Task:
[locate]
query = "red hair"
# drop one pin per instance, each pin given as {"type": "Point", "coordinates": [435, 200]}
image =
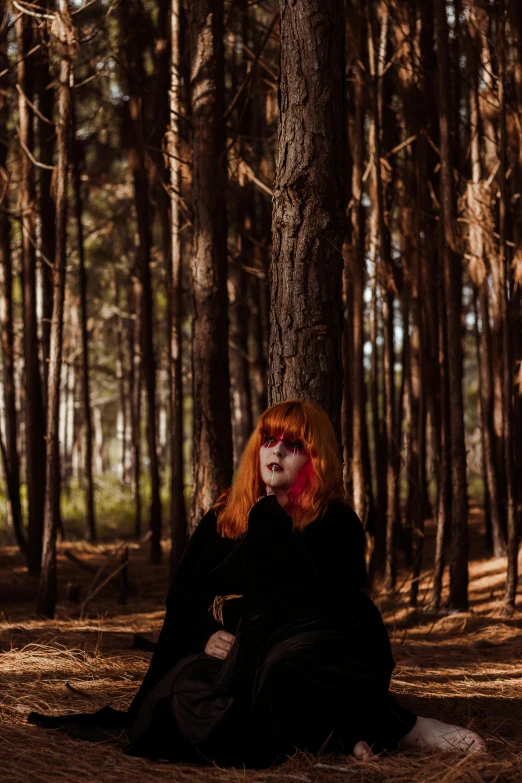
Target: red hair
{"type": "Point", "coordinates": [319, 480]}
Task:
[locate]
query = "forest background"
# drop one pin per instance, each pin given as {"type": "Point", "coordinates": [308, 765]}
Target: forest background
{"type": "Point", "coordinates": [210, 207]}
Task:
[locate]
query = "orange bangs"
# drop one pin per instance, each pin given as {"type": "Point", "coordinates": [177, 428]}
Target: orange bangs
{"type": "Point", "coordinates": [319, 480]}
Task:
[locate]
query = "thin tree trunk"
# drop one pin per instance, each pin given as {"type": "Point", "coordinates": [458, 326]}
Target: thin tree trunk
{"type": "Point", "coordinates": [361, 478]}
{"type": "Point", "coordinates": [46, 139]}
{"type": "Point", "coordinates": [452, 291]}
{"type": "Point", "coordinates": [212, 429]}
{"type": "Point", "coordinates": [505, 283]}
{"type": "Point", "coordinates": [10, 454]}
{"type": "Point", "coordinates": [64, 40]}
{"type": "Point", "coordinates": [478, 272]}
{"type": "Point", "coordinates": [35, 449]}
{"type": "Point", "coordinates": [178, 511]}
{"type": "Point", "coordinates": [258, 328]}
{"type": "Point", "coordinates": [132, 53]}
{"type": "Point", "coordinates": [78, 202]}
{"type": "Point", "coordinates": [377, 40]}
{"type": "Point", "coordinates": [135, 396]}
{"type": "Point", "coordinates": [120, 377]}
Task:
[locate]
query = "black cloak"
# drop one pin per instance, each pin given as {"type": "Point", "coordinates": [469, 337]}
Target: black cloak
{"type": "Point", "coordinates": [310, 666]}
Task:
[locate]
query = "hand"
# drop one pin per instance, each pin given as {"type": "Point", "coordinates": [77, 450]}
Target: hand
{"type": "Point", "coordinates": [270, 491]}
{"type": "Point", "coordinates": [219, 644]}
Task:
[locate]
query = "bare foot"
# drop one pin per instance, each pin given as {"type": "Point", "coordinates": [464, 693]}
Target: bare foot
{"type": "Point", "coordinates": [429, 732]}
{"type": "Point", "coordinates": [363, 751]}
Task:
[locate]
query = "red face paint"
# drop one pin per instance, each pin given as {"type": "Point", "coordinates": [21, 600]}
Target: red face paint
{"type": "Point", "coordinates": [295, 446]}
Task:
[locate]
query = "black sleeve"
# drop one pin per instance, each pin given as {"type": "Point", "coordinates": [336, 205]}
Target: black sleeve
{"type": "Point", "coordinates": [188, 623]}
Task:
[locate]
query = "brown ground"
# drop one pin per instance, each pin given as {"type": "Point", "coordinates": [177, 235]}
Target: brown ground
{"type": "Point", "coordinates": [464, 668]}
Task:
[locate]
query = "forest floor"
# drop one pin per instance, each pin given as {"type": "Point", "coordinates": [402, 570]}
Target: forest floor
{"type": "Point", "coordinates": [464, 668]}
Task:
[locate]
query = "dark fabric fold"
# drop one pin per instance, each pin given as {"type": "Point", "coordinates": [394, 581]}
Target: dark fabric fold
{"type": "Point", "coordinates": [311, 662]}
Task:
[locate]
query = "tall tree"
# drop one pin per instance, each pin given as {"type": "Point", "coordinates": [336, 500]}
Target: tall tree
{"type": "Point", "coordinates": [86, 396]}
{"type": "Point", "coordinates": [452, 291]}
{"type": "Point", "coordinates": [63, 42]}
{"type": "Point", "coordinates": [361, 475]}
{"type": "Point", "coordinates": [9, 449]}
{"type": "Point", "coordinates": [46, 204]}
{"type": "Point", "coordinates": [35, 448]}
{"type": "Point", "coordinates": [132, 58]}
{"type": "Point", "coordinates": [481, 249]}
{"type": "Point", "coordinates": [505, 300]}
{"type": "Point", "coordinates": [309, 208]}
{"type": "Point", "coordinates": [212, 430]}
{"type": "Point", "coordinates": [378, 25]}
{"type": "Point", "coordinates": [178, 511]}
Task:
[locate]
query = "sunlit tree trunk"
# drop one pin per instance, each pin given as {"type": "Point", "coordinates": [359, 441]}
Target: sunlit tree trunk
{"type": "Point", "coordinates": [10, 450]}
{"type": "Point", "coordinates": [377, 40]}
{"type": "Point", "coordinates": [361, 477]}
{"type": "Point", "coordinates": [505, 284]}
{"type": "Point", "coordinates": [178, 511]}
{"type": "Point", "coordinates": [452, 292]}
{"type": "Point", "coordinates": [46, 140]}
{"type": "Point", "coordinates": [134, 305]}
{"type": "Point", "coordinates": [477, 207]}
{"type": "Point", "coordinates": [78, 203]}
{"type": "Point", "coordinates": [34, 409]}
{"type": "Point", "coordinates": [63, 39]}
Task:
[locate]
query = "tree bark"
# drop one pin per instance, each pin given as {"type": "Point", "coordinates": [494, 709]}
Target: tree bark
{"type": "Point", "coordinates": [377, 41]}
{"type": "Point", "coordinates": [132, 55]}
{"type": "Point", "coordinates": [134, 301]}
{"type": "Point", "coordinates": [35, 449]}
{"type": "Point", "coordinates": [212, 429]}
{"type": "Point", "coordinates": [452, 291]}
{"type": "Point", "coordinates": [78, 202]}
{"type": "Point", "coordinates": [505, 308]}
{"type": "Point", "coordinates": [178, 511]}
{"type": "Point", "coordinates": [63, 38]}
{"type": "Point", "coordinates": [361, 477]}
{"type": "Point", "coordinates": [477, 207]}
{"type": "Point", "coordinates": [10, 454]}
{"type": "Point", "coordinates": [46, 140]}
{"type": "Point", "coordinates": [309, 209]}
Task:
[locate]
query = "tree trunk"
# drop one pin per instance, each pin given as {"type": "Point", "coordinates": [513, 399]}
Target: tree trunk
{"type": "Point", "coordinates": [377, 41]}
{"type": "Point", "coordinates": [212, 430]}
{"type": "Point", "coordinates": [361, 477]}
{"type": "Point", "coordinates": [477, 206]}
{"type": "Point", "coordinates": [78, 201]}
{"type": "Point", "coordinates": [134, 300]}
{"type": "Point", "coordinates": [505, 308]}
{"type": "Point", "coordinates": [132, 55]}
{"type": "Point", "coordinates": [258, 327]}
{"type": "Point", "coordinates": [123, 427]}
{"type": "Point", "coordinates": [35, 449]}
{"type": "Point", "coordinates": [46, 139]}
{"type": "Point", "coordinates": [309, 209]}
{"type": "Point", "coordinates": [63, 38]}
{"type": "Point", "coordinates": [178, 511]}
{"type": "Point", "coordinates": [452, 291]}
{"type": "Point", "coordinates": [10, 454]}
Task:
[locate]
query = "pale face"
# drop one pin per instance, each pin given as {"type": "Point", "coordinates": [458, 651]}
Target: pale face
{"type": "Point", "coordinates": [289, 454]}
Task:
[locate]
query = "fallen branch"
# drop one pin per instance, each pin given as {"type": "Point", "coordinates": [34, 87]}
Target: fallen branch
{"type": "Point", "coordinates": [100, 587]}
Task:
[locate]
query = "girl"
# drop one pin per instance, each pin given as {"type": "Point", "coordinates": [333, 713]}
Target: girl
{"type": "Point", "coordinates": [268, 643]}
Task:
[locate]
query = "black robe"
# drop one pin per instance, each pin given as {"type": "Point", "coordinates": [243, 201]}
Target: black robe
{"type": "Point", "coordinates": [310, 666]}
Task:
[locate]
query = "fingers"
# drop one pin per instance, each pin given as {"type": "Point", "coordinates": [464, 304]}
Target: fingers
{"type": "Point", "coordinates": [226, 636]}
{"type": "Point", "coordinates": [220, 644]}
